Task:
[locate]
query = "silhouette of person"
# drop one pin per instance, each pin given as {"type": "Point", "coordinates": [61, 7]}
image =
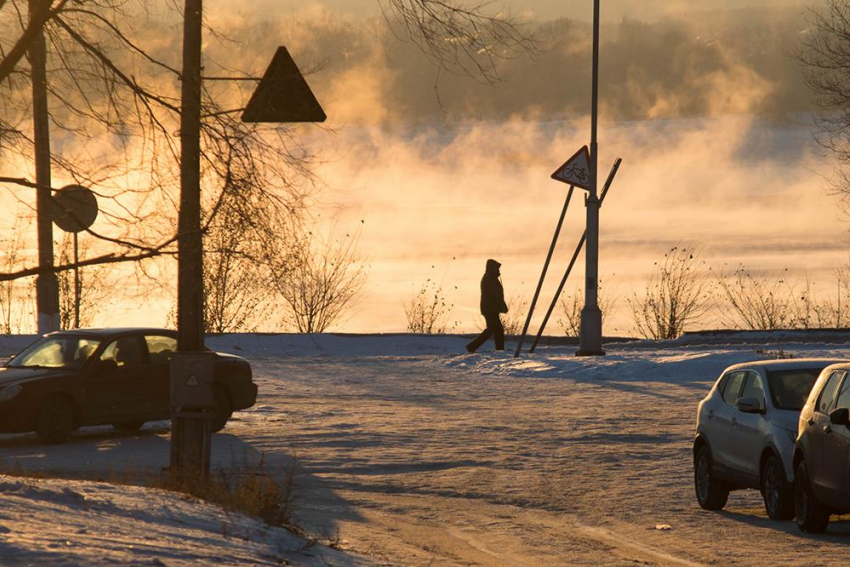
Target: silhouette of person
{"type": "Point", "coordinates": [492, 303]}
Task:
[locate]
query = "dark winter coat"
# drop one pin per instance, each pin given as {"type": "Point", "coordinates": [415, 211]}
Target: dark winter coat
{"type": "Point", "coordinates": [492, 293]}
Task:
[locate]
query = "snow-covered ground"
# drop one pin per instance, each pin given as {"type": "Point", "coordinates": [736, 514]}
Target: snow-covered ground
{"type": "Point", "coordinates": [412, 452]}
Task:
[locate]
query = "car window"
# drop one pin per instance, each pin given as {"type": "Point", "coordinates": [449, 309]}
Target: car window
{"type": "Point", "coordinates": [160, 348]}
{"type": "Point", "coordinates": [125, 352]}
{"type": "Point", "coordinates": [789, 389]}
{"type": "Point", "coordinates": [827, 395]}
{"type": "Point", "coordinates": [844, 395]}
{"type": "Point", "coordinates": [732, 387]}
{"type": "Point", "coordinates": [753, 388]}
{"type": "Point", "coordinates": [56, 352]}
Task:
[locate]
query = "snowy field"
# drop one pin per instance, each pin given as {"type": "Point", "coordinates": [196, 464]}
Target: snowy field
{"type": "Point", "coordinates": [410, 453]}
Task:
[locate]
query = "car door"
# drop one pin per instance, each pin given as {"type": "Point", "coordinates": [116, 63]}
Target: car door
{"type": "Point", "coordinates": [160, 348]}
{"type": "Point", "coordinates": [720, 434]}
{"type": "Point", "coordinates": [117, 389]}
{"type": "Point", "coordinates": [818, 427]}
{"type": "Point", "coordinates": [748, 428]}
{"type": "Point", "coordinates": [837, 452]}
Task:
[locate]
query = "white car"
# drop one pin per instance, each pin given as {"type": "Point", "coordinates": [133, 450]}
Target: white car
{"type": "Point", "coordinates": [746, 429]}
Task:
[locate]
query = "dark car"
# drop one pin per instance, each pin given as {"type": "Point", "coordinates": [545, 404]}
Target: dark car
{"type": "Point", "coordinates": [822, 451]}
{"type": "Point", "coordinates": [121, 377]}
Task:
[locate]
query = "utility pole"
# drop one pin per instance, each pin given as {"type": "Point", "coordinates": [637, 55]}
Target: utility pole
{"type": "Point", "coordinates": [46, 286]}
{"type": "Point", "coordinates": [590, 341]}
{"type": "Point", "coordinates": [191, 367]}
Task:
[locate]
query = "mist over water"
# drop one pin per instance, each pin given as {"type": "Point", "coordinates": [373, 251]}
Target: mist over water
{"type": "Point", "coordinates": [438, 173]}
{"type": "Point", "coordinates": [438, 203]}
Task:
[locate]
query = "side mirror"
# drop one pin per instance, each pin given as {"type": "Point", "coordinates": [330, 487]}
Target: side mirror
{"type": "Point", "coordinates": [841, 416]}
{"type": "Point", "coordinates": [749, 405]}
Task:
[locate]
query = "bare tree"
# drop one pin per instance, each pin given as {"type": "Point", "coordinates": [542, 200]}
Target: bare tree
{"type": "Point", "coordinates": [16, 297]}
{"type": "Point", "coordinates": [319, 280]}
{"type": "Point", "coordinates": [456, 38]}
{"type": "Point", "coordinates": [757, 302]}
{"type": "Point", "coordinates": [825, 55]}
{"type": "Point", "coordinates": [428, 312]}
{"type": "Point", "coordinates": [94, 288]}
{"type": "Point", "coordinates": [572, 304]}
{"type": "Point", "coordinates": [677, 295]}
{"type": "Point", "coordinates": [513, 320]}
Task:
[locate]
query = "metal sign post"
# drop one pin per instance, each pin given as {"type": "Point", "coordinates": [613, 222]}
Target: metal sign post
{"type": "Point", "coordinates": [590, 339]}
{"type": "Point", "coordinates": [74, 209]}
{"type": "Point", "coordinates": [543, 275]}
{"type": "Point", "coordinates": [581, 242]}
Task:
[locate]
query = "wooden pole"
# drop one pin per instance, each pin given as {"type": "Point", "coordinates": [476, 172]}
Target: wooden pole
{"type": "Point", "coordinates": [46, 286]}
{"type": "Point", "coordinates": [543, 274]}
{"type": "Point", "coordinates": [191, 434]}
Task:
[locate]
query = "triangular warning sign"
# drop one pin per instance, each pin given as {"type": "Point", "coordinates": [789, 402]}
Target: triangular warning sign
{"type": "Point", "coordinates": [283, 95]}
{"type": "Point", "coordinates": [576, 171]}
{"type": "Point", "coordinates": [192, 381]}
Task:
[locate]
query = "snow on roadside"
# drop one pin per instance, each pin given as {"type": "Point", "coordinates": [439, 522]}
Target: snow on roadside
{"type": "Point", "coordinates": [48, 521]}
{"type": "Point", "coordinates": [635, 362]}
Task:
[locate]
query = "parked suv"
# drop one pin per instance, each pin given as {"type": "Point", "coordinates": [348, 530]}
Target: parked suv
{"type": "Point", "coordinates": [746, 428]}
{"type": "Point", "coordinates": [822, 453]}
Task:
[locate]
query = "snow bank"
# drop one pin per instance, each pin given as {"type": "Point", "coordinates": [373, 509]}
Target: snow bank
{"type": "Point", "coordinates": [89, 523]}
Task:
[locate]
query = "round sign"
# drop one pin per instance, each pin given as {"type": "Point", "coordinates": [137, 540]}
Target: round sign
{"type": "Point", "coordinates": [74, 208]}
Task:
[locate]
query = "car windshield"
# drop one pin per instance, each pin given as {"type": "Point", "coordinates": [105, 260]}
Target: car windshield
{"type": "Point", "coordinates": [56, 352]}
{"type": "Point", "coordinates": [790, 388]}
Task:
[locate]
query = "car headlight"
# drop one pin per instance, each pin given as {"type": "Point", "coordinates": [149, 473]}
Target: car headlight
{"type": "Point", "coordinates": [9, 392]}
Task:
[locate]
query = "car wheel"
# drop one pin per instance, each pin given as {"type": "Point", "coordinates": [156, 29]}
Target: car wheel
{"type": "Point", "coordinates": [128, 425]}
{"type": "Point", "coordinates": [55, 421]}
{"type": "Point", "coordinates": [223, 409]}
{"type": "Point", "coordinates": [711, 492]}
{"type": "Point", "coordinates": [812, 516]}
{"type": "Point", "coordinates": [777, 493]}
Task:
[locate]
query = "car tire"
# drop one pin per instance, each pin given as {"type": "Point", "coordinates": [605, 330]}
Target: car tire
{"type": "Point", "coordinates": [711, 493]}
{"type": "Point", "coordinates": [812, 516]}
{"type": "Point", "coordinates": [222, 409]}
{"type": "Point", "coordinates": [128, 425]}
{"type": "Point", "coordinates": [778, 494]}
{"type": "Point", "coordinates": [55, 421]}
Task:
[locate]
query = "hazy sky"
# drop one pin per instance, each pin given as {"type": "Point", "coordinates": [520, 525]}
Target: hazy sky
{"type": "Point", "coordinates": [540, 9]}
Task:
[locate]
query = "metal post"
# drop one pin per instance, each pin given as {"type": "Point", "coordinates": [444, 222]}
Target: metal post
{"type": "Point", "coordinates": [47, 287]}
{"type": "Point", "coordinates": [543, 275]}
{"type": "Point", "coordinates": [191, 434]}
{"type": "Point", "coordinates": [590, 341]}
{"type": "Point", "coordinates": [77, 289]}
{"type": "Point", "coordinates": [613, 173]}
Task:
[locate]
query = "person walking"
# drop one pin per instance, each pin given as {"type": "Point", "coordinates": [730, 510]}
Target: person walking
{"type": "Point", "coordinates": [492, 304]}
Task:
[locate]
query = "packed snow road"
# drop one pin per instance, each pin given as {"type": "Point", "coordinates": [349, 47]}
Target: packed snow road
{"type": "Point", "coordinates": [436, 458]}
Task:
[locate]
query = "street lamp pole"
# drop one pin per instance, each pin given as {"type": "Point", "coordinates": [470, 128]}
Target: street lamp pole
{"type": "Point", "coordinates": [590, 340]}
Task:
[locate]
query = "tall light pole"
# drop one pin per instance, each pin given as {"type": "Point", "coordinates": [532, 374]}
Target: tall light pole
{"type": "Point", "coordinates": [590, 340]}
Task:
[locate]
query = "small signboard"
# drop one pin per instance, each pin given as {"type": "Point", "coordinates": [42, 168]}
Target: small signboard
{"type": "Point", "coordinates": [191, 380]}
{"type": "Point", "coordinates": [283, 95]}
{"type": "Point", "coordinates": [74, 208]}
{"type": "Point", "coordinates": [576, 171]}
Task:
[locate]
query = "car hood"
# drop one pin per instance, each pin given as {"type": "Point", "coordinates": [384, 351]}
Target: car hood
{"type": "Point", "coordinates": [16, 375]}
{"type": "Point", "coordinates": [785, 419]}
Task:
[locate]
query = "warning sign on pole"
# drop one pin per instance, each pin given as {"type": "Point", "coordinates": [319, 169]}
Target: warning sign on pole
{"type": "Point", "coordinates": [576, 171]}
